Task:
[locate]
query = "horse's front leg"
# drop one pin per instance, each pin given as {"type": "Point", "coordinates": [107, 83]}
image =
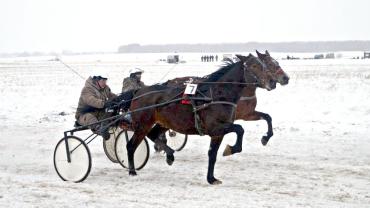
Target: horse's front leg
{"type": "Point", "coordinates": [238, 129]}
{"type": "Point", "coordinates": [262, 116]}
{"type": "Point", "coordinates": [212, 156]}
{"type": "Point", "coordinates": [269, 133]}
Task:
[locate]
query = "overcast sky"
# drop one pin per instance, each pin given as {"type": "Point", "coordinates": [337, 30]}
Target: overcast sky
{"type": "Point", "coordinates": [103, 25]}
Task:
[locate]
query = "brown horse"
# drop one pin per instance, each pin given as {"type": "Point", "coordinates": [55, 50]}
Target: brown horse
{"type": "Point", "coordinates": [215, 118]}
{"type": "Point", "coordinates": [246, 109]}
{"type": "Point", "coordinates": [248, 101]}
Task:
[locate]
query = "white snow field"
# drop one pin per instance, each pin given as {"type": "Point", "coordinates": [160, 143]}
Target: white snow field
{"type": "Point", "coordinates": [319, 155]}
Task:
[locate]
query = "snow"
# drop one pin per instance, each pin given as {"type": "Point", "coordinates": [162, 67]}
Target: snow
{"type": "Point", "coordinates": [318, 157]}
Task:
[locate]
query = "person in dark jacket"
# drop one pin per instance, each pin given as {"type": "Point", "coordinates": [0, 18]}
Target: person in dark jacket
{"type": "Point", "coordinates": [94, 98]}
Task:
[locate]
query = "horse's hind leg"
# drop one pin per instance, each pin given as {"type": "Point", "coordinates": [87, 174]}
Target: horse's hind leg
{"type": "Point", "coordinates": [212, 156]}
{"type": "Point", "coordinates": [154, 134]}
{"type": "Point", "coordinates": [134, 142]}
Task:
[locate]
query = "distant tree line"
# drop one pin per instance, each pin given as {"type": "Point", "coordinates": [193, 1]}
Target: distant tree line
{"type": "Point", "coordinates": [317, 46]}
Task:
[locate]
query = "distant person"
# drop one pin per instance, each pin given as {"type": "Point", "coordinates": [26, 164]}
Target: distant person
{"type": "Point", "coordinates": [216, 58]}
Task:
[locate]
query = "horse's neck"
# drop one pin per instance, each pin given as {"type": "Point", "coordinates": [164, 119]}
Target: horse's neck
{"type": "Point", "coordinates": [249, 91]}
{"type": "Point", "coordinates": [230, 92]}
{"type": "Point", "coordinates": [235, 74]}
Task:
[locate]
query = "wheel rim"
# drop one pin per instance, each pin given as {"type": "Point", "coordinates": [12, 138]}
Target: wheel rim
{"type": "Point", "coordinates": [176, 140]}
{"type": "Point", "coordinates": [109, 145]}
{"type": "Point", "coordinates": [141, 154]}
{"type": "Point", "coordinates": [79, 167]}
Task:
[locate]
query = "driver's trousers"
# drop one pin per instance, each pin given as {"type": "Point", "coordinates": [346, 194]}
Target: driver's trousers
{"type": "Point", "coordinates": [93, 117]}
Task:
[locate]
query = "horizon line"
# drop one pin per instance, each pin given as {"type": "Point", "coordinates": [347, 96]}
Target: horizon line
{"type": "Point", "coordinates": [67, 51]}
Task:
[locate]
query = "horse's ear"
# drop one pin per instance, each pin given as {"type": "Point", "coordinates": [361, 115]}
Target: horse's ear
{"type": "Point", "coordinates": [258, 53]}
{"type": "Point", "coordinates": [267, 53]}
{"type": "Point", "coordinates": [240, 57]}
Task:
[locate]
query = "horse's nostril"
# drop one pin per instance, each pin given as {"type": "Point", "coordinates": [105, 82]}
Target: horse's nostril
{"type": "Point", "coordinates": [286, 80]}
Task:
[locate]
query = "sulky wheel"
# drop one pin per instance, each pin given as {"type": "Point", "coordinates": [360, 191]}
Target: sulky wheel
{"type": "Point", "coordinates": [176, 140]}
{"type": "Point", "coordinates": [141, 154]}
{"type": "Point", "coordinates": [79, 166]}
{"type": "Point", "coordinates": [109, 145]}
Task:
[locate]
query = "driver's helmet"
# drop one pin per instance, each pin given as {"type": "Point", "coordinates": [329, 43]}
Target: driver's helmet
{"type": "Point", "coordinates": [136, 71]}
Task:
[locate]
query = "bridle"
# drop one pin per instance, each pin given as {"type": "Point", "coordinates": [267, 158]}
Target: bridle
{"type": "Point", "coordinates": [251, 73]}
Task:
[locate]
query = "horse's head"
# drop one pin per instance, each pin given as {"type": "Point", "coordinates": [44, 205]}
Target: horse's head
{"type": "Point", "coordinates": [255, 69]}
{"type": "Point", "coordinates": [273, 66]}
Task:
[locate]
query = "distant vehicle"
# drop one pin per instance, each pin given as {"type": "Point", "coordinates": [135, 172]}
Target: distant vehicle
{"type": "Point", "coordinates": [227, 56]}
{"type": "Point", "coordinates": [291, 58]}
{"type": "Point", "coordinates": [330, 56]}
{"type": "Point", "coordinates": [173, 59]}
{"type": "Point", "coordinates": [319, 56]}
{"type": "Point", "coordinates": [366, 55]}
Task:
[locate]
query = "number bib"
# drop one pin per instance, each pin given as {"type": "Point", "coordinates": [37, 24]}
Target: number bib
{"type": "Point", "coordinates": [191, 89]}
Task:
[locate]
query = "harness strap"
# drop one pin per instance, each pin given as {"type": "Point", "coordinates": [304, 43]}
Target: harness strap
{"type": "Point", "coordinates": [247, 98]}
{"type": "Point", "coordinates": [205, 105]}
{"type": "Point", "coordinates": [196, 116]}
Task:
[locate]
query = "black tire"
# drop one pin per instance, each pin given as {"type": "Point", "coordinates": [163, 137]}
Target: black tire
{"type": "Point", "coordinates": [141, 154]}
{"type": "Point", "coordinates": [80, 154]}
{"type": "Point", "coordinates": [178, 141]}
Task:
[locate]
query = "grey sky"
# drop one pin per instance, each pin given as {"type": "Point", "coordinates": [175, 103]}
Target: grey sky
{"type": "Point", "coordinates": [103, 25]}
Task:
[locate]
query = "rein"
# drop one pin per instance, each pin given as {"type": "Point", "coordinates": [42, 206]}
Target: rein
{"type": "Point", "coordinates": [233, 83]}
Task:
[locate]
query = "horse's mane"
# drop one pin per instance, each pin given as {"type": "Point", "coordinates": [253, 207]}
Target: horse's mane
{"type": "Point", "coordinates": [164, 83]}
{"type": "Point", "coordinates": [228, 64]}
{"type": "Point", "coordinates": [158, 86]}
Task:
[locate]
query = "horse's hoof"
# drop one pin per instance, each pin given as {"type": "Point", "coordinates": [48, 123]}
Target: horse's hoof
{"type": "Point", "coordinates": [157, 147]}
{"type": "Point", "coordinates": [227, 151]}
{"type": "Point", "coordinates": [264, 140]}
{"type": "Point", "coordinates": [132, 173]}
{"type": "Point", "coordinates": [217, 182]}
{"type": "Point", "coordinates": [170, 159]}
{"type": "Point", "coordinates": [214, 181]}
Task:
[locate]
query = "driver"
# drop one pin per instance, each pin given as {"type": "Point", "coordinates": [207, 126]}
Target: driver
{"type": "Point", "coordinates": [94, 98]}
{"type": "Point", "coordinates": [133, 82]}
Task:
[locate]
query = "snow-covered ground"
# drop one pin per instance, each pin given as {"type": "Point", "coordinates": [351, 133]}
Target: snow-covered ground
{"type": "Point", "coordinates": [318, 157]}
